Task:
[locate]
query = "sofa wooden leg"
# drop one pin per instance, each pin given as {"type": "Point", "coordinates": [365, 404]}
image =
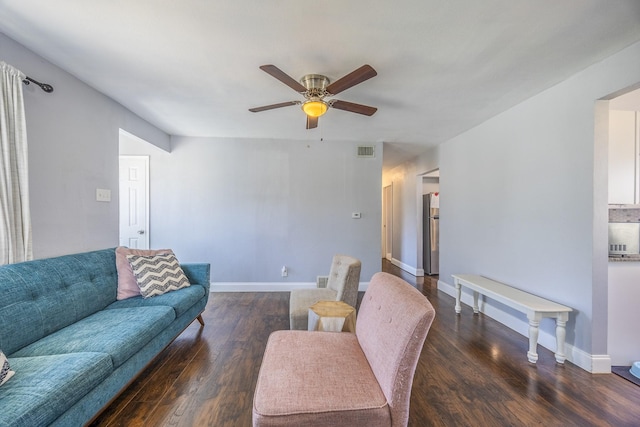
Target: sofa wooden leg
{"type": "Point", "coordinates": [200, 319]}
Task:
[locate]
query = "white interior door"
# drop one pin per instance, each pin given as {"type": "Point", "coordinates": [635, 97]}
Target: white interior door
{"type": "Point", "coordinates": [134, 202]}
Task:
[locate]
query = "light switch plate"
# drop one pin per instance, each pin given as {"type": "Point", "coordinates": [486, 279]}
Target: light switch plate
{"type": "Point", "coordinates": [356, 215]}
{"type": "Point", "coordinates": [103, 195]}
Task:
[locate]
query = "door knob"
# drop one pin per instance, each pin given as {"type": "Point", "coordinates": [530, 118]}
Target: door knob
{"type": "Point", "coordinates": [140, 231]}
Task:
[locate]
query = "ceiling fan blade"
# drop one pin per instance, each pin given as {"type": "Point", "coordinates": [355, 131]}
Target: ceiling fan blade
{"type": "Point", "coordinates": [353, 78]}
{"type": "Point", "coordinates": [272, 106]}
{"type": "Point", "coordinates": [283, 77]}
{"type": "Point", "coordinates": [312, 122]}
{"type": "Point", "coordinates": [354, 108]}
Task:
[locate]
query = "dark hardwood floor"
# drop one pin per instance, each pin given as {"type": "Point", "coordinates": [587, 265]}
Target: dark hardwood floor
{"type": "Point", "coordinates": [473, 371]}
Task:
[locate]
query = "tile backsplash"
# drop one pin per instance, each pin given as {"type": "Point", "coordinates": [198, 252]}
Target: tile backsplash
{"type": "Point", "coordinates": [624, 214]}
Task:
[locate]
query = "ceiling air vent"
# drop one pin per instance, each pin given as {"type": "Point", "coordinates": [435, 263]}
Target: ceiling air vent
{"type": "Point", "coordinates": [366, 151]}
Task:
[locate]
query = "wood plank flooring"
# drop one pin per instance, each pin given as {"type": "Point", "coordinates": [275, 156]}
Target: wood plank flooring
{"type": "Point", "coordinates": [473, 371]}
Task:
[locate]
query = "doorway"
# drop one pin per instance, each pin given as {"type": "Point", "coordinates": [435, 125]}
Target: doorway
{"type": "Point", "coordinates": [387, 221]}
{"type": "Point", "coordinates": [622, 114]}
{"type": "Point", "coordinates": [428, 225]}
{"type": "Point", "coordinates": [134, 202]}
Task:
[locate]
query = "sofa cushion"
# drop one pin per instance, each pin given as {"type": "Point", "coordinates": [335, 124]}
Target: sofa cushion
{"type": "Point", "coordinates": [5, 369]}
{"type": "Point", "coordinates": [181, 300]}
{"type": "Point", "coordinates": [157, 274]}
{"type": "Point", "coordinates": [298, 386]}
{"type": "Point", "coordinates": [42, 296]}
{"type": "Point", "coordinates": [46, 386]}
{"type": "Point", "coordinates": [127, 284]}
{"type": "Point", "coordinates": [119, 333]}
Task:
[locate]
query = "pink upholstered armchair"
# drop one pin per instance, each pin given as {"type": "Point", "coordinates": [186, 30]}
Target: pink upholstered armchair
{"type": "Point", "coordinates": [368, 383]}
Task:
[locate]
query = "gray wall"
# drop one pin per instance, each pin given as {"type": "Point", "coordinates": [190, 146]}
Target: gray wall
{"type": "Point", "coordinates": [404, 220]}
{"type": "Point", "coordinates": [525, 197]}
{"type": "Point", "coordinates": [73, 149]}
{"type": "Point", "coordinates": [524, 200]}
{"type": "Point", "coordinates": [246, 206]}
{"type": "Point", "coordinates": [250, 206]}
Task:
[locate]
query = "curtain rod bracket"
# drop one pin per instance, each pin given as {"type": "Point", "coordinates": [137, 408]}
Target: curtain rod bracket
{"type": "Point", "coordinates": [45, 87]}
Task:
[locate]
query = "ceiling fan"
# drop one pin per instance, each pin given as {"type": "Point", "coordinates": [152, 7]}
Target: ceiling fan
{"type": "Point", "coordinates": [316, 88]}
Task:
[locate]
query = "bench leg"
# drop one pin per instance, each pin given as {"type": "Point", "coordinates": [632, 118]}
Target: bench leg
{"type": "Point", "coordinates": [476, 308]}
{"type": "Point", "coordinates": [458, 295]}
{"type": "Point", "coordinates": [561, 332]}
{"type": "Point", "coordinates": [532, 354]}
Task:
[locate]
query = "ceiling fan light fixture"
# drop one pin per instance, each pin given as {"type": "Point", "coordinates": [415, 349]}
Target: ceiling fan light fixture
{"type": "Point", "coordinates": [315, 107]}
{"type": "Point", "coordinates": [315, 88]}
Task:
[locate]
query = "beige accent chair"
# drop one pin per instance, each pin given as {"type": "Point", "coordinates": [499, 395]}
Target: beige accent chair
{"type": "Point", "coordinates": [368, 381]}
{"type": "Point", "coordinates": [341, 285]}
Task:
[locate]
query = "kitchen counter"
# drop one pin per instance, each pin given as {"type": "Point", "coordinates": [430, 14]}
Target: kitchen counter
{"type": "Point", "coordinates": [625, 258]}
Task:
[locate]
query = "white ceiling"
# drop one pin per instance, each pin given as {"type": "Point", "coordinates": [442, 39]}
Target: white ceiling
{"type": "Point", "coordinates": [190, 67]}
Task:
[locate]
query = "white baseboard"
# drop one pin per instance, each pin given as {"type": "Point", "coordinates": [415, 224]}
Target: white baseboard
{"type": "Point", "coordinates": [595, 364]}
{"type": "Point", "coordinates": [268, 286]}
{"type": "Point", "coordinates": [600, 364]}
{"type": "Point", "coordinates": [418, 272]}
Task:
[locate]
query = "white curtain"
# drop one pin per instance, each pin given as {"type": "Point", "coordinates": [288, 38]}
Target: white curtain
{"type": "Point", "coordinates": [15, 218]}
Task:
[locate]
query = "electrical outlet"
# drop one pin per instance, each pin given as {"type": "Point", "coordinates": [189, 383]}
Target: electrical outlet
{"type": "Point", "coordinates": [103, 195]}
{"type": "Point", "coordinates": [356, 215]}
{"type": "Point", "coordinates": [284, 271]}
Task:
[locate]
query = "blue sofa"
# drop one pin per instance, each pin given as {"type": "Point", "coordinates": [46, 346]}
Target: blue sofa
{"type": "Point", "coordinates": [73, 347]}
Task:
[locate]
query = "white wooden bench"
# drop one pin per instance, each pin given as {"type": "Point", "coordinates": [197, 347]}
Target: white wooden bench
{"type": "Point", "coordinates": [533, 306]}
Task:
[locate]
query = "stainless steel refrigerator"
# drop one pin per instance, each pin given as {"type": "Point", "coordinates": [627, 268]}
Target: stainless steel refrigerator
{"type": "Point", "coordinates": [431, 233]}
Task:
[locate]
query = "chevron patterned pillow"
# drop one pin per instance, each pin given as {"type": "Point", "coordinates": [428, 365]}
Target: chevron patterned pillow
{"type": "Point", "coordinates": [157, 274]}
{"type": "Point", "coordinates": [5, 370]}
